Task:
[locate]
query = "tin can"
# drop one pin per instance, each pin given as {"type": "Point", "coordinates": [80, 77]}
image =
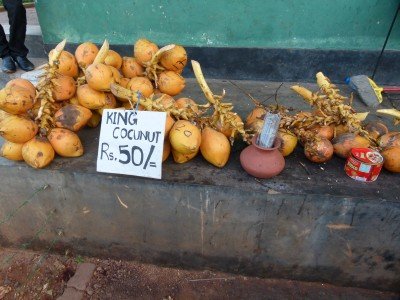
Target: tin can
{"type": "Point", "coordinates": [364, 164]}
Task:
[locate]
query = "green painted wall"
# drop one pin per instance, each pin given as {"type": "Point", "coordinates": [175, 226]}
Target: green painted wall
{"type": "Point", "coordinates": [321, 24]}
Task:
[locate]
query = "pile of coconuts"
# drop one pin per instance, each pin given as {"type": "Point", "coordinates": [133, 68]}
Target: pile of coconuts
{"type": "Point", "coordinates": [39, 122]}
{"type": "Point", "coordinates": [331, 128]}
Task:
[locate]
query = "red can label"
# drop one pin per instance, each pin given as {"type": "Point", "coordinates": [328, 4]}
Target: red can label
{"type": "Point", "coordinates": [364, 164]}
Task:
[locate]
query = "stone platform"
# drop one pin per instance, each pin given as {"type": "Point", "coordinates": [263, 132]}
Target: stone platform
{"type": "Point", "coordinates": [310, 223]}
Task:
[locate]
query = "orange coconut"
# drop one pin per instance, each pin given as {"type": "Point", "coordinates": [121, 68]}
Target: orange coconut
{"type": "Point", "coordinates": [141, 84]}
{"type": "Point", "coordinates": [18, 129]}
{"type": "Point", "coordinates": [85, 54]}
{"type": "Point", "coordinates": [94, 120]}
{"type": "Point", "coordinates": [390, 139]}
{"type": "Point", "coordinates": [184, 103]}
{"type": "Point", "coordinates": [144, 50]}
{"type": "Point", "coordinates": [343, 143]}
{"type": "Point", "coordinates": [340, 129]}
{"type": "Point", "coordinates": [16, 100]}
{"type": "Point", "coordinates": [391, 158]}
{"type": "Point", "coordinates": [256, 114]}
{"type": "Point", "coordinates": [215, 147]}
{"type": "Point", "coordinates": [170, 83]}
{"type": "Point", "coordinates": [227, 129]}
{"type": "Point", "coordinates": [111, 102]}
{"type": "Point", "coordinates": [113, 59]}
{"type": "Point", "coordinates": [185, 137]}
{"type": "Point", "coordinates": [376, 129]}
{"type": "Point", "coordinates": [124, 82]}
{"type": "Point", "coordinates": [67, 64]}
{"type": "Point", "coordinates": [174, 59]}
{"type": "Point", "coordinates": [131, 68]}
{"type": "Point", "coordinates": [11, 151]}
{"type": "Point", "coordinates": [319, 150]}
{"type": "Point", "coordinates": [99, 77]}
{"type": "Point", "coordinates": [23, 83]}
{"type": "Point", "coordinates": [323, 131]}
{"type": "Point", "coordinates": [90, 98]}
{"type": "Point", "coordinates": [72, 117]}
{"type": "Point", "coordinates": [38, 152]}
{"type": "Point", "coordinates": [65, 142]}
{"type": "Point", "coordinates": [64, 87]}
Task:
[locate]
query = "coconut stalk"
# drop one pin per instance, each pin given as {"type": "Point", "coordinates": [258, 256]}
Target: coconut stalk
{"type": "Point", "coordinates": [149, 104]}
{"type": "Point", "coordinates": [44, 94]}
{"type": "Point", "coordinates": [153, 67]}
{"type": "Point", "coordinates": [223, 111]}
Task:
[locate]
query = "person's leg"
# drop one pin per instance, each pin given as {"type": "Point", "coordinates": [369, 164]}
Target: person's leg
{"type": "Point", "coordinates": [7, 65]}
{"type": "Point", "coordinates": [4, 50]}
{"type": "Point", "coordinates": [17, 19]}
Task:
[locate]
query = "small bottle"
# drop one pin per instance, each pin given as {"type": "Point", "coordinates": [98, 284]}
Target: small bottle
{"type": "Point", "coordinates": [270, 128]}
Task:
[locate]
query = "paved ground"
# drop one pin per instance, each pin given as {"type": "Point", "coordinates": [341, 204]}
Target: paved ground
{"type": "Point", "coordinates": [31, 17]}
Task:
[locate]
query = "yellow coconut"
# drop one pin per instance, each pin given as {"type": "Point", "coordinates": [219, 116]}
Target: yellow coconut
{"type": "Point", "coordinates": [144, 50]}
{"type": "Point", "coordinates": [215, 147]}
{"type": "Point", "coordinates": [91, 98]}
{"type": "Point", "coordinates": [182, 158]}
{"type": "Point", "coordinates": [16, 100]}
{"type": "Point", "coordinates": [11, 151]}
{"type": "Point", "coordinates": [38, 152]}
{"type": "Point", "coordinates": [85, 54]}
{"type": "Point", "coordinates": [185, 103]}
{"type": "Point", "coordinates": [141, 84]}
{"type": "Point", "coordinates": [18, 129]}
{"type": "Point", "coordinates": [166, 150]}
{"type": "Point", "coordinates": [64, 87]}
{"type": "Point", "coordinates": [113, 59]}
{"type": "Point", "coordinates": [185, 137]}
{"type": "Point", "coordinates": [94, 120]}
{"type": "Point", "coordinates": [289, 142]}
{"type": "Point", "coordinates": [111, 102]}
{"type": "Point", "coordinates": [65, 142]}
{"type": "Point", "coordinates": [72, 117]}
{"type": "Point", "coordinates": [131, 68]}
{"type": "Point", "coordinates": [99, 77]}
{"type": "Point", "coordinates": [174, 59]}
{"type": "Point", "coordinates": [170, 83]}
{"type": "Point", "coordinates": [23, 83]}
{"type": "Point", "coordinates": [67, 64]}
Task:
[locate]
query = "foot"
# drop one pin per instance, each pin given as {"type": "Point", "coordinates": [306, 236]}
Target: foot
{"type": "Point", "coordinates": [24, 63]}
{"type": "Point", "coordinates": [8, 65]}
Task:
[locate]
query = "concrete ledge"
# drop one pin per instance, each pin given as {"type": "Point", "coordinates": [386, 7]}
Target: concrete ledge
{"type": "Point", "coordinates": [316, 226]}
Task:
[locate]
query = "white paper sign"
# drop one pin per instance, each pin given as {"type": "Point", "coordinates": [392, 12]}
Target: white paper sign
{"type": "Point", "coordinates": [131, 142]}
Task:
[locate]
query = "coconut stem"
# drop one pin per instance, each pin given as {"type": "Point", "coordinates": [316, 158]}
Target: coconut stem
{"type": "Point", "coordinates": [102, 54]}
{"type": "Point", "coordinates": [45, 88]}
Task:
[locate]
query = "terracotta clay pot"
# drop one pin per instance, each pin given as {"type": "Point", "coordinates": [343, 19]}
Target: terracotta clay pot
{"type": "Point", "coordinates": [262, 162]}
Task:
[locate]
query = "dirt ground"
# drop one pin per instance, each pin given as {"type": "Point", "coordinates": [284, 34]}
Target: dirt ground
{"type": "Point", "coordinates": [34, 275]}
